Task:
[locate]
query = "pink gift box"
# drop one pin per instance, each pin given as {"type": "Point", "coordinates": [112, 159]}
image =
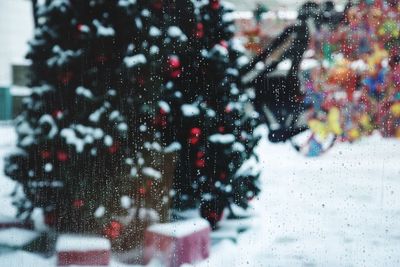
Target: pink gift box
{"type": "Point", "coordinates": [83, 250]}
{"type": "Point", "coordinates": [177, 243]}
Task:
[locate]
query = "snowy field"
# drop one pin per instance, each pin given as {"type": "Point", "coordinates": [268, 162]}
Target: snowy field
{"type": "Point", "coordinates": [341, 209]}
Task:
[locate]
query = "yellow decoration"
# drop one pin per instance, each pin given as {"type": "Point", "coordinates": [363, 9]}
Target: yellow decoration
{"type": "Point", "coordinates": [376, 58]}
{"type": "Point", "coordinates": [365, 122]}
{"type": "Point", "coordinates": [395, 109]}
{"type": "Point", "coordinates": [322, 130]}
{"type": "Point", "coordinates": [334, 121]}
{"type": "Point", "coordinates": [354, 134]}
{"type": "Point", "coordinates": [397, 134]}
{"type": "Point", "coordinates": [318, 128]}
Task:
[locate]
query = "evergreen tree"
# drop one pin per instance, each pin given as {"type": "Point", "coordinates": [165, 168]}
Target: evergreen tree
{"type": "Point", "coordinates": [183, 66]}
{"type": "Point", "coordinates": [80, 158]}
{"type": "Point", "coordinates": [217, 120]}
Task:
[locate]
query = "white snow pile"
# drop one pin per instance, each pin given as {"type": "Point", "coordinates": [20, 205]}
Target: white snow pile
{"type": "Point", "coordinates": [126, 3]}
{"type": "Point", "coordinates": [238, 147]}
{"type": "Point", "coordinates": [82, 91]}
{"type": "Point", "coordinates": [70, 242]}
{"type": "Point", "coordinates": [154, 50]}
{"type": "Point", "coordinates": [175, 32]}
{"type": "Point", "coordinates": [138, 23]}
{"type": "Point", "coordinates": [152, 146]}
{"type": "Point", "coordinates": [135, 60]}
{"type": "Point", "coordinates": [175, 146]}
{"type": "Point", "coordinates": [242, 61]}
{"type": "Point", "coordinates": [164, 106]}
{"type": "Point", "coordinates": [250, 167]}
{"type": "Point", "coordinates": [16, 237]}
{"type": "Point", "coordinates": [103, 30]}
{"type": "Point", "coordinates": [96, 115]}
{"type": "Point", "coordinates": [309, 63]}
{"type": "Point", "coordinates": [61, 56]}
{"type": "Point", "coordinates": [181, 228]}
{"type": "Point", "coordinates": [145, 13]}
{"type": "Point", "coordinates": [100, 211]}
{"type": "Point", "coordinates": [190, 110]}
{"type": "Point", "coordinates": [154, 31]}
{"type": "Point", "coordinates": [108, 140]}
{"type": "Point", "coordinates": [89, 135]}
{"type": "Point", "coordinates": [133, 172]}
{"type": "Point", "coordinates": [151, 172]}
{"type": "Point", "coordinates": [222, 138]}
{"type": "Point", "coordinates": [221, 50]}
{"type": "Point", "coordinates": [47, 119]}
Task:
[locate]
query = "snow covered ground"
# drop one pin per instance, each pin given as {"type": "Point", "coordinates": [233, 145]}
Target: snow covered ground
{"type": "Point", "coordinates": [341, 209]}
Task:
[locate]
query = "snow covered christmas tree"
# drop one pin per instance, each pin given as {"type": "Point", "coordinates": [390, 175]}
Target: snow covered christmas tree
{"type": "Point", "coordinates": [78, 152]}
{"type": "Point", "coordinates": [184, 92]}
{"type": "Point", "coordinates": [217, 121]}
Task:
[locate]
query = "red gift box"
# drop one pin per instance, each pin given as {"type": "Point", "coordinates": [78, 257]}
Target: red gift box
{"type": "Point", "coordinates": [177, 243]}
{"type": "Point", "coordinates": [83, 250]}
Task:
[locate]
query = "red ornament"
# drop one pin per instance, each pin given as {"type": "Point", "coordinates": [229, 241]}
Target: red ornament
{"type": "Point", "coordinates": [212, 216]}
{"type": "Point", "coordinates": [45, 154]}
{"type": "Point", "coordinates": [62, 156]}
{"type": "Point", "coordinates": [142, 191]}
{"type": "Point", "coordinates": [50, 218]}
{"type": "Point", "coordinates": [215, 4]}
{"type": "Point", "coordinates": [82, 28]}
{"type": "Point", "coordinates": [113, 230]}
{"type": "Point", "coordinates": [114, 148]}
{"type": "Point", "coordinates": [176, 73]}
{"type": "Point", "coordinates": [222, 175]}
{"type": "Point", "coordinates": [163, 112]}
{"type": "Point", "coordinates": [174, 62]}
{"type": "Point", "coordinates": [157, 4]}
{"type": "Point", "coordinates": [101, 59]}
{"type": "Point", "coordinates": [161, 120]}
{"type": "Point", "coordinates": [78, 203]}
{"type": "Point", "coordinates": [221, 129]}
{"type": "Point", "coordinates": [57, 114]}
{"type": "Point", "coordinates": [194, 136]}
{"type": "Point", "coordinates": [175, 66]}
{"type": "Point", "coordinates": [200, 162]}
{"type": "Point", "coordinates": [224, 43]}
{"type": "Point", "coordinates": [228, 109]}
{"type": "Point", "coordinates": [199, 30]}
{"type": "Point", "coordinates": [200, 154]}
{"type": "Point", "coordinates": [65, 77]}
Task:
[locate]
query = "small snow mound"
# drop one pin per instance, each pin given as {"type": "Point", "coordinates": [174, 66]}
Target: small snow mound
{"type": "Point", "coordinates": [70, 242]}
{"type": "Point", "coordinates": [154, 31]}
{"type": "Point", "coordinates": [135, 60]}
{"type": "Point", "coordinates": [190, 110]}
{"type": "Point", "coordinates": [150, 172]}
{"type": "Point", "coordinates": [175, 146]}
{"type": "Point", "coordinates": [181, 228]}
{"type": "Point", "coordinates": [164, 106]}
{"type": "Point", "coordinates": [222, 138]}
{"type": "Point", "coordinates": [102, 30]}
{"type": "Point", "coordinates": [16, 237]}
